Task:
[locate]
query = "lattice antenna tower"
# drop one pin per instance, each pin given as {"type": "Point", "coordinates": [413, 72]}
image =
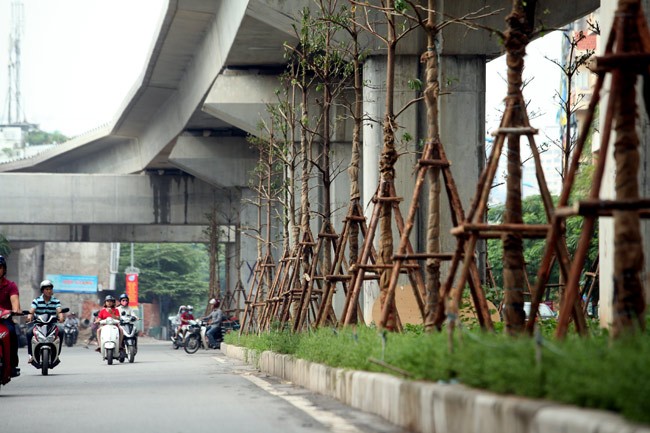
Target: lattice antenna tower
{"type": "Point", "coordinates": [15, 110]}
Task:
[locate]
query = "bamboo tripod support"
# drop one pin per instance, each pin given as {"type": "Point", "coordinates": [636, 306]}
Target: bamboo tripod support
{"type": "Point", "coordinates": [290, 288]}
{"type": "Point", "coordinates": [340, 272]}
{"type": "Point", "coordinates": [627, 54]}
{"type": "Point", "coordinates": [272, 303]}
{"type": "Point", "coordinates": [385, 195]}
{"type": "Point", "coordinates": [433, 156]}
{"type": "Point", "coordinates": [514, 124]}
{"type": "Point", "coordinates": [262, 274]}
{"type": "Point", "coordinates": [311, 298]}
{"type": "Point", "coordinates": [235, 303]}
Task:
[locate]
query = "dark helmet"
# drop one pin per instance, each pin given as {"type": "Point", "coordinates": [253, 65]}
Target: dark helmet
{"type": "Point", "coordinates": [46, 283]}
{"type": "Point", "coordinates": [109, 298]}
{"type": "Point", "coordinates": [3, 263]}
{"type": "Point", "coordinates": [124, 296]}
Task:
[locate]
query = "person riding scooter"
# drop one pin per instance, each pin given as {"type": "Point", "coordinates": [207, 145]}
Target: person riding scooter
{"type": "Point", "coordinates": [44, 304]}
{"type": "Point", "coordinates": [124, 309]}
{"type": "Point", "coordinates": [71, 329]}
{"type": "Point", "coordinates": [187, 316]}
{"type": "Point", "coordinates": [215, 318]}
{"type": "Point", "coordinates": [10, 300]}
{"type": "Point", "coordinates": [176, 322]}
{"type": "Point", "coordinates": [109, 310]}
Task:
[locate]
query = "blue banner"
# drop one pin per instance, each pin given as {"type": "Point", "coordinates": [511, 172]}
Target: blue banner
{"type": "Point", "coordinates": [73, 283]}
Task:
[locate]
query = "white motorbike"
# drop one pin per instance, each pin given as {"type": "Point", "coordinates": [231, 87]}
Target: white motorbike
{"type": "Point", "coordinates": [109, 339]}
{"type": "Point", "coordinates": [196, 336]}
{"type": "Point", "coordinates": [46, 342]}
{"type": "Point", "coordinates": [127, 323]}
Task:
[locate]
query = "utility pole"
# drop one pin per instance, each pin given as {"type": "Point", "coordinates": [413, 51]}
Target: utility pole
{"type": "Point", "coordinates": [15, 111]}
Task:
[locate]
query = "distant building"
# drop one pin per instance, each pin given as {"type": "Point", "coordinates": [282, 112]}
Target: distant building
{"type": "Point", "coordinates": [583, 81]}
{"type": "Point", "coordinates": [11, 137]}
{"type": "Point", "coordinates": [14, 146]}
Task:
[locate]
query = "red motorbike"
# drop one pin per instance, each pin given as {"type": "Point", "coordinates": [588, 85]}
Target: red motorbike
{"type": "Point", "coordinates": [5, 347]}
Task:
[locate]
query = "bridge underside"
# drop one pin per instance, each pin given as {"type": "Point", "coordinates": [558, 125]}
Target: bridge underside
{"type": "Point", "coordinates": [112, 208]}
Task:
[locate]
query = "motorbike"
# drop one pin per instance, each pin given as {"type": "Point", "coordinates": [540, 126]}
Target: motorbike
{"type": "Point", "coordinates": [46, 342]}
{"type": "Point", "coordinates": [70, 334]}
{"type": "Point", "coordinates": [109, 339]}
{"type": "Point", "coordinates": [230, 324]}
{"type": "Point", "coordinates": [5, 346]}
{"type": "Point", "coordinates": [130, 338]}
{"type": "Point", "coordinates": [196, 336]}
{"type": "Point", "coordinates": [178, 340]}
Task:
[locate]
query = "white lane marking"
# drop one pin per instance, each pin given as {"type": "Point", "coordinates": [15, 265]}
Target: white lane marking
{"type": "Point", "coordinates": [333, 421]}
{"type": "Point", "coordinates": [221, 360]}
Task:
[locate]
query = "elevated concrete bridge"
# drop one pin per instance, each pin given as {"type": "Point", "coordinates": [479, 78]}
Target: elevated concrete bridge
{"type": "Point", "coordinates": [177, 146]}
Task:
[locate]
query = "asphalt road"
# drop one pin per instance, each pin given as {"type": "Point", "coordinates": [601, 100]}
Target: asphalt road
{"type": "Point", "coordinates": [167, 390]}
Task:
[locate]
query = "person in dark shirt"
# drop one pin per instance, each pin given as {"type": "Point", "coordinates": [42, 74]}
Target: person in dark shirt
{"type": "Point", "coordinates": [10, 300]}
{"type": "Point", "coordinates": [215, 319]}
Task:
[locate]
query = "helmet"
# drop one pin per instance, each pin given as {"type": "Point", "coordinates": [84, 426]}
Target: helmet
{"type": "Point", "coordinates": [216, 302]}
{"type": "Point", "coordinates": [212, 301]}
{"type": "Point", "coordinates": [46, 283]}
{"type": "Point", "coordinates": [109, 298]}
{"type": "Point", "coordinates": [190, 308]}
{"type": "Point", "coordinates": [182, 307]}
{"type": "Point", "coordinates": [3, 261]}
{"type": "Point", "coordinates": [124, 296]}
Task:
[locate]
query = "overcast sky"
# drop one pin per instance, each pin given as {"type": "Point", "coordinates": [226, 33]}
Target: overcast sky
{"type": "Point", "coordinates": [79, 58]}
{"type": "Point", "coordinates": [542, 77]}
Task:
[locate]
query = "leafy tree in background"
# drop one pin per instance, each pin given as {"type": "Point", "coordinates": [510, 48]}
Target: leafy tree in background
{"type": "Point", "coordinates": [173, 274]}
{"type": "Point", "coordinates": [37, 136]}
{"type": "Point", "coordinates": [5, 248]}
{"type": "Point", "coordinates": [533, 213]}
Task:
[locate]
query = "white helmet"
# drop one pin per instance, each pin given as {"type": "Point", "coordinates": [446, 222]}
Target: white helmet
{"type": "Point", "coordinates": [212, 301]}
{"type": "Point", "coordinates": [46, 283]}
{"type": "Point", "coordinates": [190, 308]}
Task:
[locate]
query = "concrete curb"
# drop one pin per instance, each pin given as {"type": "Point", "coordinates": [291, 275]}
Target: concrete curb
{"type": "Point", "coordinates": [426, 407]}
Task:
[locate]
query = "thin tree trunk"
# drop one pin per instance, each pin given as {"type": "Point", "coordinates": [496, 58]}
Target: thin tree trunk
{"type": "Point", "coordinates": [387, 175]}
{"type": "Point", "coordinates": [353, 170]}
{"type": "Point", "coordinates": [514, 279]}
{"type": "Point", "coordinates": [431, 91]}
{"type": "Point", "coordinates": [214, 242]}
{"type": "Point", "coordinates": [629, 303]}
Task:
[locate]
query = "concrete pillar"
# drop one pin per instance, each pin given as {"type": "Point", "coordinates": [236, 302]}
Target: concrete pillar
{"type": "Point", "coordinates": [25, 268]}
{"type": "Point", "coordinates": [374, 74]}
{"type": "Point", "coordinates": [462, 131]}
{"type": "Point", "coordinates": [606, 225]}
{"type": "Point", "coordinates": [244, 238]}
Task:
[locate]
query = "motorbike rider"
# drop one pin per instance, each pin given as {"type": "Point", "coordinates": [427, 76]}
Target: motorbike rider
{"type": "Point", "coordinates": [177, 320]}
{"type": "Point", "coordinates": [44, 304]}
{"type": "Point", "coordinates": [214, 319]}
{"type": "Point", "coordinates": [124, 308]}
{"type": "Point", "coordinates": [187, 315]}
{"type": "Point", "coordinates": [109, 310]}
{"type": "Point", "coordinates": [72, 321]}
{"type": "Point", "coordinates": [10, 300]}
{"type": "Point", "coordinates": [184, 319]}
{"type": "Point", "coordinates": [93, 328]}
